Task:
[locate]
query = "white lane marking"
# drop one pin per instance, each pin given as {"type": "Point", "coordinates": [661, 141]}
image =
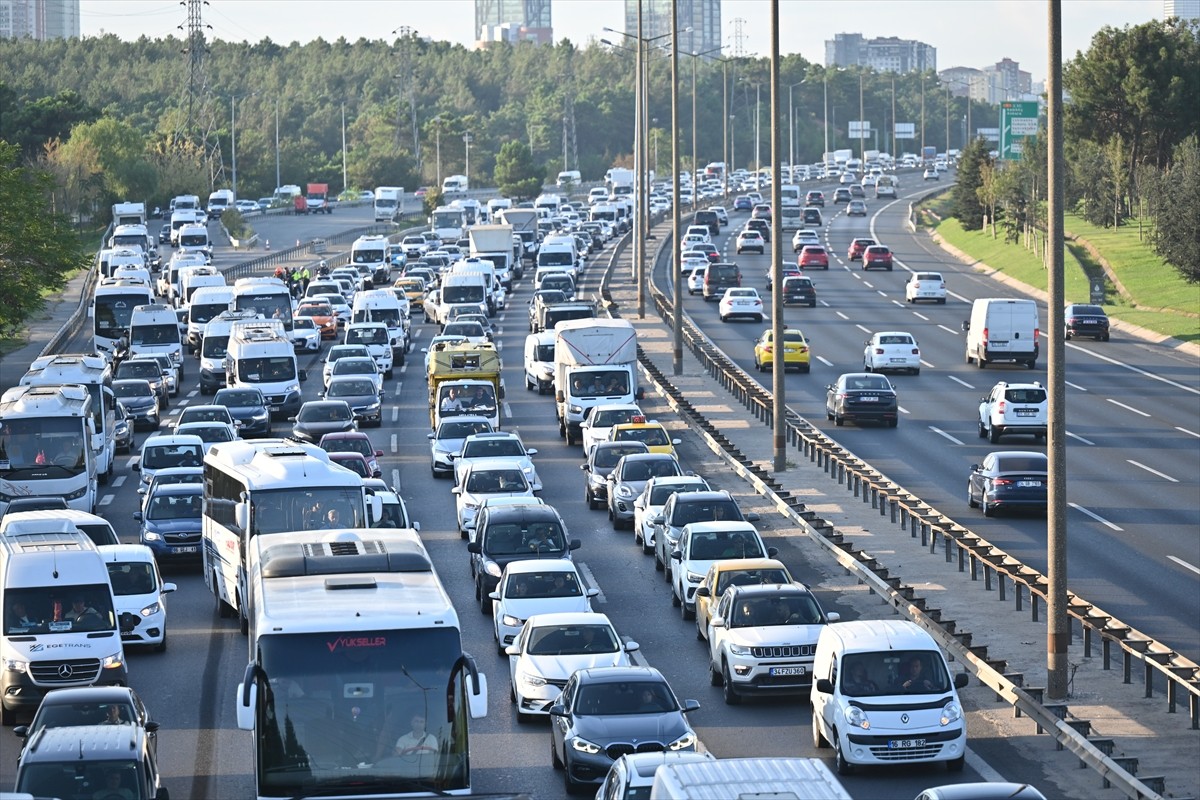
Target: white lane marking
{"type": "Point", "coordinates": [590, 581]}
{"type": "Point", "coordinates": [958, 296]}
{"type": "Point", "coordinates": [949, 330]}
{"type": "Point", "coordinates": [868, 284]}
{"type": "Point", "coordinates": [864, 329]}
{"type": "Point", "coordinates": [925, 363]}
{"type": "Point", "coordinates": [825, 361]}
{"type": "Point", "coordinates": [404, 368]}
{"type": "Point", "coordinates": [1152, 471]}
{"type": "Point", "coordinates": [507, 410]}
{"type": "Point", "coordinates": [395, 413]}
{"type": "Point", "coordinates": [882, 294]}
{"type": "Point", "coordinates": [1094, 516]}
{"type": "Point", "coordinates": [1075, 386]}
{"type": "Point", "coordinates": [500, 318]}
{"type": "Point", "coordinates": [193, 393]}
{"type": "Point", "coordinates": [118, 481]}
{"type": "Point", "coordinates": [132, 460]}
{"type": "Point", "coordinates": [840, 314]}
{"type": "Point", "coordinates": [824, 303]}
{"type": "Point", "coordinates": [108, 498]}
{"type": "Point", "coordinates": [895, 302]}
{"type": "Point", "coordinates": [919, 315]}
{"type": "Point", "coordinates": [944, 435]}
{"type": "Point", "coordinates": [1189, 433]}
{"type": "Point", "coordinates": [1185, 564]}
{"type": "Point", "coordinates": [960, 381]}
{"type": "Point", "coordinates": [982, 767]}
{"type": "Point", "coordinates": [395, 443]}
{"type": "Point", "coordinates": [1150, 375]}
{"type": "Point", "coordinates": [1080, 438]}
{"type": "Point", "coordinates": [902, 409]}
{"type": "Point", "coordinates": [1127, 408]}
{"type": "Point", "coordinates": [396, 479]}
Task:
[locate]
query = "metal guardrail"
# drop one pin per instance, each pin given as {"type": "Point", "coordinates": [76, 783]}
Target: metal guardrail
{"type": "Point", "coordinates": [921, 519]}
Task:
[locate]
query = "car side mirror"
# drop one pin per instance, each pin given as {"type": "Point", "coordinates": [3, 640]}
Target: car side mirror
{"type": "Point", "coordinates": [137, 516]}
{"type": "Point", "coordinates": [824, 686]}
{"type": "Point", "coordinates": [832, 616]}
{"type": "Point", "coordinates": [136, 466]}
{"type": "Point", "coordinates": [657, 519]}
{"type": "Point", "coordinates": [966, 326]}
{"type": "Point", "coordinates": [456, 490]}
{"type": "Point", "coordinates": [575, 544]}
{"type": "Point", "coordinates": [303, 375]}
{"type": "Point", "coordinates": [556, 710]}
{"type": "Point", "coordinates": [474, 547]}
{"type": "Point", "coordinates": [961, 680]}
{"type": "Point", "coordinates": [677, 555]}
{"type": "Point", "coordinates": [717, 621]}
{"type": "Point", "coordinates": [592, 593]}
{"type": "Point", "coordinates": [974, 468]}
{"type": "Point", "coordinates": [690, 706]}
{"type": "Point", "coordinates": [494, 595]}
{"type": "Point", "coordinates": [430, 436]}
{"type": "Point", "coordinates": [531, 451]}
{"type": "Point", "coordinates": [378, 453]}
{"type": "Point", "coordinates": [21, 731]}
{"type": "Point", "coordinates": [703, 591]}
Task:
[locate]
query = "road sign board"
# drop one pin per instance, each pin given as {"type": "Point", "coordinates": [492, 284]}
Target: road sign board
{"type": "Point", "coordinates": [860, 129]}
{"type": "Point", "coordinates": [991, 134]}
{"type": "Point", "coordinates": [1018, 120]}
{"type": "Point", "coordinates": [906, 130]}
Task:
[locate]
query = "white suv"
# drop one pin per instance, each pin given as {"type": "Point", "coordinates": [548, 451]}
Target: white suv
{"type": "Point", "coordinates": [377, 339]}
{"type": "Point", "coordinates": [701, 544]}
{"type": "Point", "coordinates": [1011, 408]}
{"type": "Point", "coordinates": [763, 638]}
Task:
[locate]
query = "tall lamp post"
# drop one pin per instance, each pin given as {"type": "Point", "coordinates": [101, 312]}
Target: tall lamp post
{"type": "Point", "coordinates": [467, 168]}
{"type": "Point", "coordinates": [792, 125]}
{"type": "Point", "coordinates": [233, 98]}
{"type": "Point", "coordinates": [696, 57]}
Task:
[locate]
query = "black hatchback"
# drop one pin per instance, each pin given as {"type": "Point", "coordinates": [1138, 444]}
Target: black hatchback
{"type": "Point", "coordinates": [1081, 319]}
{"type": "Point", "coordinates": [513, 533]}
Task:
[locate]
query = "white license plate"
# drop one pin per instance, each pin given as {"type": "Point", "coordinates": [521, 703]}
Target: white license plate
{"type": "Point", "coordinates": [896, 360]}
{"type": "Point", "coordinates": [189, 548]}
{"type": "Point", "coordinates": [868, 399]}
{"type": "Point", "coordinates": [1029, 484]}
{"type": "Point", "coordinates": [789, 670]}
{"type": "Point", "coordinates": [904, 744]}
{"type": "Point", "coordinates": [1026, 412]}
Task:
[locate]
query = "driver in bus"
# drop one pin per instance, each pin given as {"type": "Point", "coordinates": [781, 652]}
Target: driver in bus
{"type": "Point", "coordinates": [332, 519]}
{"type": "Point", "coordinates": [417, 742]}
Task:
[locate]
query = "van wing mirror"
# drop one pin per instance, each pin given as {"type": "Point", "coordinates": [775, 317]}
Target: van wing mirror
{"type": "Point", "coordinates": [824, 686]}
{"type": "Point", "coordinates": [961, 680]}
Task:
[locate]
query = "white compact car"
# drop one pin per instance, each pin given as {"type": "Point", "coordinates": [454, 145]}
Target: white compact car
{"type": "Point", "coordinates": [597, 425]}
{"type": "Point", "coordinates": [892, 350]}
{"type": "Point", "coordinates": [486, 478]}
{"type": "Point", "coordinates": [497, 445]}
{"type": "Point", "coordinates": [138, 590]}
{"type": "Point", "coordinates": [306, 335]}
{"type": "Point", "coordinates": [535, 586]}
{"type": "Point", "coordinates": [551, 647]}
{"type": "Point", "coordinates": [741, 302]}
{"type": "Point", "coordinates": [925, 286]}
{"type": "Point", "coordinates": [650, 503]}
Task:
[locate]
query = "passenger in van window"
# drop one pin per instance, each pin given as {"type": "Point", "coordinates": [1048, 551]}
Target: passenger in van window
{"type": "Point", "coordinates": [912, 678]}
{"type": "Point", "coordinates": [856, 681]}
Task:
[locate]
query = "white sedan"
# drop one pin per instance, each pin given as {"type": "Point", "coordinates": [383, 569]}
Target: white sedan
{"type": "Point", "coordinates": [892, 350]}
{"type": "Point", "coordinates": [535, 586]}
{"type": "Point", "coordinates": [599, 421]}
{"type": "Point", "coordinates": [551, 647]}
{"type": "Point", "coordinates": [741, 302]}
{"type": "Point", "coordinates": [695, 279]}
{"type": "Point", "coordinates": [486, 478]}
{"type": "Point", "coordinates": [925, 286]}
{"type": "Point", "coordinates": [498, 445]}
{"type": "Point", "coordinates": [305, 334]}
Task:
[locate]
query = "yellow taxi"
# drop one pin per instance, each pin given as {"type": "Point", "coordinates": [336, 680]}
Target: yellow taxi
{"type": "Point", "coordinates": [413, 289]}
{"type": "Point", "coordinates": [795, 351]}
{"type": "Point", "coordinates": [723, 574]}
{"type": "Point", "coordinates": [652, 434]}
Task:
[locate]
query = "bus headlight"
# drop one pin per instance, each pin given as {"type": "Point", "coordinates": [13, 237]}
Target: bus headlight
{"type": "Point", "coordinates": [78, 493]}
{"type": "Point", "coordinates": [115, 661]}
{"type": "Point", "coordinates": [16, 665]}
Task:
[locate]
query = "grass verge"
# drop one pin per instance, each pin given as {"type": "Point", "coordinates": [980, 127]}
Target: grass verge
{"type": "Point", "coordinates": [1152, 283]}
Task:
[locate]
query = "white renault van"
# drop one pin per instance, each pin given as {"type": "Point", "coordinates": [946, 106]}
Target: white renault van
{"type": "Point", "coordinates": [884, 694]}
{"type": "Point", "coordinates": [1002, 329]}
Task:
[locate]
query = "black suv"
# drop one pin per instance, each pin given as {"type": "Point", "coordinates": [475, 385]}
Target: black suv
{"type": "Point", "coordinates": [90, 761]}
{"type": "Point", "coordinates": [710, 219]}
{"type": "Point", "coordinates": [718, 278]}
{"type": "Point", "coordinates": [512, 533]}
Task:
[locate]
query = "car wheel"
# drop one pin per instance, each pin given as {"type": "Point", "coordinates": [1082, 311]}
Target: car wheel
{"type": "Point", "coordinates": [989, 510]}
{"type": "Point", "coordinates": [223, 609]}
{"type": "Point", "coordinates": [759, 319]}
{"type": "Point", "coordinates": [647, 548]}
{"type": "Point", "coordinates": [812, 304]}
{"type": "Point", "coordinates": [616, 523]}
{"type": "Point", "coordinates": [1104, 338]}
{"type": "Point", "coordinates": [554, 760]}
{"type": "Point", "coordinates": [714, 674]}
{"type": "Point", "coordinates": [674, 597]}
{"type": "Point", "coordinates": [162, 646]}
{"type": "Point", "coordinates": [838, 420]}
{"type": "Point", "coordinates": [723, 319]}
{"type": "Point", "coordinates": [658, 564]}
{"type": "Point", "coordinates": [981, 362]}
{"type": "Point", "coordinates": [728, 693]}
{"type": "Point", "coordinates": [685, 612]}
{"type": "Point", "coordinates": [982, 431]}
{"type": "Point", "coordinates": [1067, 335]}
{"type": "Point", "coordinates": [818, 739]}
{"type": "Point", "coordinates": [893, 422]}
{"type": "Point", "coordinates": [971, 503]}
{"type": "Point", "coordinates": [994, 435]}
{"type": "Point", "coordinates": [843, 766]}
{"type": "Point", "coordinates": [699, 630]}
{"type": "Point", "coordinates": [866, 366]}
{"type": "Point", "coordinates": [941, 301]}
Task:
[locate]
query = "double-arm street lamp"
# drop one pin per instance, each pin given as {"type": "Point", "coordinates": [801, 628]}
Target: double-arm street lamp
{"type": "Point", "coordinates": [792, 125]}
{"type": "Point", "coordinates": [695, 153]}
{"type": "Point", "coordinates": [233, 98]}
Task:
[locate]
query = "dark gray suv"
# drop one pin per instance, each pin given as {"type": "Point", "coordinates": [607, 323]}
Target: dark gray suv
{"type": "Point", "coordinates": [684, 509]}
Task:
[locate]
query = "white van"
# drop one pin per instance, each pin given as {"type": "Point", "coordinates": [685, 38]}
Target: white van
{"type": "Point", "coordinates": [206, 303]}
{"type": "Point", "coordinates": [57, 600]}
{"type": "Point", "coordinates": [261, 355]}
{"type": "Point", "coordinates": [154, 330]}
{"type": "Point", "coordinates": [163, 450]}
{"type": "Point", "coordinates": [792, 778]}
{"type": "Point", "coordinates": [218, 201]}
{"type": "Point", "coordinates": [883, 694]}
{"type": "Point", "coordinates": [59, 520]}
{"type": "Point", "coordinates": [455, 184]}
{"type": "Point", "coordinates": [1002, 329]}
{"type": "Point", "coordinates": [390, 308]}
{"type": "Point", "coordinates": [374, 336]}
{"type": "Point", "coordinates": [194, 239]}
{"type": "Point", "coordinates": [568, 178]}
{"type": "Point", "coordinates": [539, 361]}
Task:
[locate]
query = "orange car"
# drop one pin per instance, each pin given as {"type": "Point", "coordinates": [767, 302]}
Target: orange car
{"type": "Point", "coordinates": [322, 315]}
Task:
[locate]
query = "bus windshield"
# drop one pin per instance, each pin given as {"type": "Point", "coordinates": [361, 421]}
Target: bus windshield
{"type": "Point", "coordinates": [382, 711]}
{"type": "Point", "coordinates": [447, 219]}
{"type": "Point", "coordinates": [114, 311]}
{"type": "Point", "coordinates": [272, 369]}
{"type": "Point", "coordinates": [154, 334]}
{"type": "Point", "coordinates": [269, 305]}
{"type": "Point", "coordinates": [42, 447]}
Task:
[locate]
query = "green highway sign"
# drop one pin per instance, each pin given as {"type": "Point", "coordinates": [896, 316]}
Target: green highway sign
{"type": "Point", "coordinates": [1018, 120]}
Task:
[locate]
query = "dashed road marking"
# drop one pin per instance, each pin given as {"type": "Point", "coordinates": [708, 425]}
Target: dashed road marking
{"type": "Point", "coordinates": [948, 330]}
{"type": "Point", "coordinates": [960, 381]}
{"type": "Point", "coordinates": [1152, 471]}
{"type": "Point", "coordinates": [1080, 438]}
{"type": "Point", "coordinates": [945, 435]}
{"type": "Point", "coordinates": [1094, 516]}
{"type": "Point", "coordinates": [1127, 408]}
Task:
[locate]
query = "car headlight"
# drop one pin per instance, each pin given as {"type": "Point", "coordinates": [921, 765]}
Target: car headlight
{"type": "Point", "coordinates": [528, 471]}
{"type": "Point", "coordinates": [293, 389]}
{"type": "Point", "coordinates": [492, 568]}
{"type": "Point", "coordinates": [510, 621]}
{"type": "Point", "coordinates": [470, 505]}
{"type": "Point", "coordinates": [16, 665]}
{"type": "Point", "coordinates": [151, 536]}
{"type": "Point", "coordinates": [951, 712]}
{"type": "Point", "coordinates": [575, 409]}
{"type": "Point", "coordinates": [151, 609]}
{"type": "Point", "coordinates": [532, 680]}
{"type": "Point", "coordinates": [374, 406]}
{"type": "Point", "coordinates": [739, 649]}
{"type": "Point", "coordinates": [857, 717]}
{"type": "Point", "coordinates": [685, 742]}
{"type": "Point", "coordinates": [115, 661]}
{"type": "Point", "coordinates": [624, 491]}
{"type": "Point", "coordinates": [259, 415]}
{"type": "Point", "coordinates": [584, 746]}
{"type": "Point", "coordinates": [694, 577]}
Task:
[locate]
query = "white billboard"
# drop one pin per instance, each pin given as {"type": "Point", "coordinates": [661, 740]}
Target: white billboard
{"type": "Point", "coordinates": [906, 130]}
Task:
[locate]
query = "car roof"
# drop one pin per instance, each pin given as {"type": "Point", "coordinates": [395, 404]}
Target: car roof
{"type": "Point", "coordinates": [523, 511]}
{"type": "Point", "coordinates": [86, 744]}
{"type": "Point", "coordinates": [179, 488]}
{"type": "Point", "coordinates": [769, 589]}
{"type": "Point", "coordinates": [118, 553]}
{"type": "Point", "coordinates": [704, 497]}
{"type": "Point", "coordinates": [335, 435]}
{"type": "Point", "coordinates": [619, 674]}
{"type": "Point", "coordinates": [171, 438]}
{"type": "Point", "coordinates": [568, 618]}
{"type": "Point", "coordinates": [91, 694]}
{"type": "Point", "coordinates": [732, 564]}
{"type": "Point", "coordinates": [721, 526]}
{"type": "Point", "coordinates": [540, 565]}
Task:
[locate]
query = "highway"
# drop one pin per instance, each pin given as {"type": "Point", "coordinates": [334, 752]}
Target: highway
{"type": "Point", "coordinates": [190, 688]}
{"type": "Point", "coordinates": [1132, 421]}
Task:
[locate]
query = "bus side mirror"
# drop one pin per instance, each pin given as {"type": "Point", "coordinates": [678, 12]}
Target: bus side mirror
{"type": "Point", "coordinates": [247, 699]}
{"type": "Point", "coordinates": [477, 701]}
{"type": "Point", "coordinates": [241, 514]}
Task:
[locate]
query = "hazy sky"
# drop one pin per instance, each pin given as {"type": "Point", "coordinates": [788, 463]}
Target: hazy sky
{"type": "Point", "coordinates": [965, 32]}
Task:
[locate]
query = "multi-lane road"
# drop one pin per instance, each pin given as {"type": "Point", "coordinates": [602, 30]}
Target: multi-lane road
{"type": "Point", "coordinates": [191, 686]}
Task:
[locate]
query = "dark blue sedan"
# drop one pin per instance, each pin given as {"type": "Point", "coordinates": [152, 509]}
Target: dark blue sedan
{"type": "Point", "coordinates": [1015, 479]}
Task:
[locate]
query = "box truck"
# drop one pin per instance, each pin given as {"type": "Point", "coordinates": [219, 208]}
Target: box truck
{"type": "Point", "coordinates": [595, 362]}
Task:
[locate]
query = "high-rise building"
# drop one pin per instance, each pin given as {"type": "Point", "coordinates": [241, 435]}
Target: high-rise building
{"type": "Point", "coordinates": [882, 54]}
{"type": "Point", "coordinates": [702, 16]}
{"type": "Point", "coordinates": [1004, 80]}
{"type": "Point", "coordinates": [1184, 9]}
{"type": "Point", "coordinates": [513, 21]}
{"type": "Point", "coordinates": [39, 19]}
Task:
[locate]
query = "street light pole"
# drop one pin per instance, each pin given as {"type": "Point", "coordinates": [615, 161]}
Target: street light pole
{"type": "Point", "coordinates": [676, 286]}
{"type": "Point", "coordinates": [778, 364]}
{"type": "Point", "coordinates": [344, 187]}
{"type": "Point", "coordinates": [757, 135]}
{"type": "Point", "coordinates": [277, 182]}
{"type": "Point", "coordinates": [233, 138]}
{"type": "Point", "coordinates": [467, 168]}
{"type": "Point", "coordinates": [825, 121]}
{"type": "Point", "coordinates": [862, 148]}
{"type": "Point", "coordinates": [922, 115]}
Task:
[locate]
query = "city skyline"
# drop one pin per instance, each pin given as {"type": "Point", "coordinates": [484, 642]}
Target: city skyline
{"type": "Point", "coordinates": [1013, 29]}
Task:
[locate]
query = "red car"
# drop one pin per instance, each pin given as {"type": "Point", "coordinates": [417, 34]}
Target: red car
{"type": "Point", "coordinates": [857, 247]}
{"type": "Point", "coordinates": [877, 256]}
{"type": "Point", "coordinates": [813, 256]}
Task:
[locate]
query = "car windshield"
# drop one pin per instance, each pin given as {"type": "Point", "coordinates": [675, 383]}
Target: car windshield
{"type": "Point", "coordinates": [895, 339]}
{"type": "Point", "coordinates": [536, 585]}
{"type": "Point", "coordinates": [208, 433]}
{"type": "Point", "coordinates": [351, 388]}
{"type": "Point", "coordinates": [645, 469]}
{"type": "Point", "coordinates": [722, 544]}
{"type": "Point", "coordinates": [132, 577]}
{"type": "Point", "coordinates": [173, 506]}
{"type": "Point", "coordinates": [660, 494]}
{"type": "Point", "coordinates": [136, 389]}
{"type": "Point", "coordinates": [750, 577]}
{"type": "Point", "coordinates": [239, 398]}
{"type": "Point", "coordinates": [324, 412]}
{"type": "Point", "coordinates": [1087, 311]}
{"type": "Point", "coordinates": [355, 463]}
{"type": "Point", "coordinates": [204, 415]}
{"type": "Point", "coordinates": [787, 609]}
{"type": "Point", "coordinates": [703, 510]}
{"type": "Point", "coordinates": [1036, 395]}
{"type": "Point", "coordinates": [162, 456]}
{"type": "Point", "coordinates": [893, 672]}
{"type": "Point", "coordinates": [607, 457]}
{"type": "Point", "coordinates": [355, 366]}
{"type": "Point", "coordinates": [496, 480]}
{"type": "Point", "coordinates": [519, 538]}
{"type": "Point", "coordinates": [625, 697]}
{"type": "Point", "coordinates": [461, 430]}
{"type": "Point", "coordinates": [493, 448]}
{"type": "Point", "coordinates": [571, 640]}
{"type": "Point", "coordinates": [652, 437]}
{"type": "Point", "coordinates": [348, 445]}
{"type": "Point", "coordinates": [63, 715]}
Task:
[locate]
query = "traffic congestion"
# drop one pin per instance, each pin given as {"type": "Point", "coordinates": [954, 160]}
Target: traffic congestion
{"type": "Point", "coordinates": [277, 435]}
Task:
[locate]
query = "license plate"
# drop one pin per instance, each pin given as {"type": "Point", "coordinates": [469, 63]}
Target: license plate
{"type": "Point", "coordinates": [1026, 412]}
{"type": "Point", "coordinates": [1029, 484]}
{"type": "Point", "coordinates": [896, 360]}
{"type": "Point", "coordinates": [904, 744]}
{"type": "Point", "coordinates": [187, 548]}
{"type": "Point", "coordinates": [868, 399]}
{"type": "Point", "coordinates": [789, 670]}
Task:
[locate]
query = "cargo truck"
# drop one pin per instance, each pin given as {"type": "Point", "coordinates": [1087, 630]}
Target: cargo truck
{"type": "Point", "coordinates": [315, 200]}
{"type": "Point", "coordinates": [128, 214]}
{"type": "Point", "coordinates": [464, 378]}
{"type": "Point", "coordinates": [388, 200]}
{"type": "Point", "coordinates": [494, 243]}
{"type": "Point", "coordinates": [524, 224]}
{"type": "Point", "coordinates": [595, 362]}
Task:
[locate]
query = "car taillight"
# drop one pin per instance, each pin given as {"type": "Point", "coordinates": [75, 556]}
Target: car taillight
{"type": "Point", "coordinates": [916, 352]}
{"type": "Point", "coordinates": [878, 351]}
{"type": "Point", "coordinates": [768, 348]}
{"type": "Point", "coordinates": [1001, 482]}
{"type": "Point", "coordinates": [985, 337]}
{"type": "Point", "coordinates": [1070, 320]}
{"type": "Point", "coordinates": [1001, 406]}
{"type": "Point", "coordinates": [1036, 333]}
